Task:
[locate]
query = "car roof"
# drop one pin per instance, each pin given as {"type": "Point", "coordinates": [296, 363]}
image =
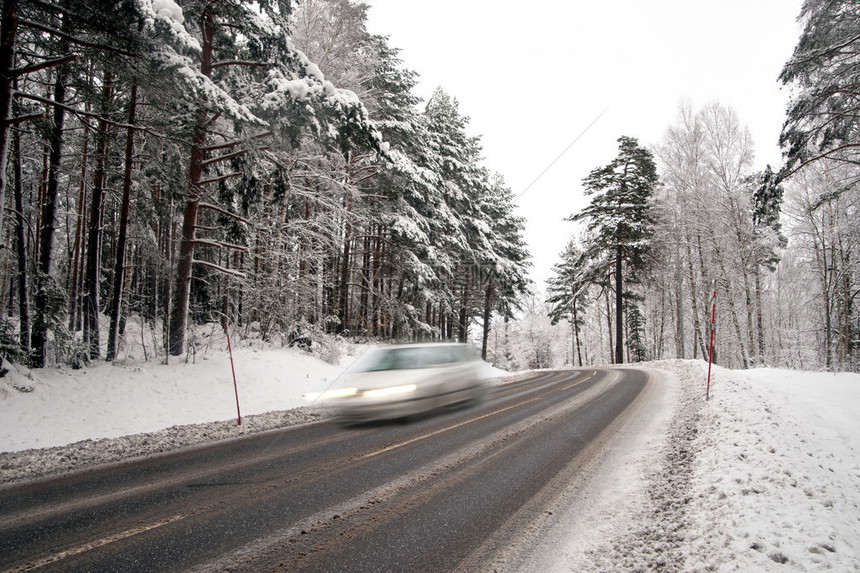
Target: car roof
{"type": "Point", "coordinates": [420, 345]}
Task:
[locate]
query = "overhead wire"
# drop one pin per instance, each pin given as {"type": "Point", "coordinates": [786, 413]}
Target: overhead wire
{"type": "Point", "coordinates": [560, 155]}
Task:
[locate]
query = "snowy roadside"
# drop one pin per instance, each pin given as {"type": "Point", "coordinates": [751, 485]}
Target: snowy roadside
{"type": "Point", "coordinates": [763, 476]}
{"type": "Point", "coordinates": [36, 463]}
{"type": "Point", "coordinates": [58, 420]}
{"type": "Point", "coordinates": [777, 479]}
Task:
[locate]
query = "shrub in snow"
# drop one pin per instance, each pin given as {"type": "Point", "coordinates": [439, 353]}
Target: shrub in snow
{"type": "Point", "coordinates": [331, 349]}
{"type": "Point", "coordinates": [10, 348]}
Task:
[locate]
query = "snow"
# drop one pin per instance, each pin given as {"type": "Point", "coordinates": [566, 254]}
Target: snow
{"type": "Point", "coordinates": [60, 419]}
{"type": "Point", "coordinates": [778, 475]}
{"type": "Point", "coordinates": [169, 13]}
{"type": "Point", "coordinates": [168, 9]}
{"type": "Point", "coordinates": [111, 400]}
{"type": "Point", "coordinates": [763, 476]}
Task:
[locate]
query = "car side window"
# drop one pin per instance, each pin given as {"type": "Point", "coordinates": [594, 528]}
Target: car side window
{"type": "Point", "coordinates": [412, 358]}
{"type": "Point", "coordinates": [444, 355]}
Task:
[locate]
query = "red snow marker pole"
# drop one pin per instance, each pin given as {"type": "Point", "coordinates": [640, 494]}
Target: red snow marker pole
{"type": "Point", "coordinates": [235, 386]}
{"type": "Point", "coordinates": [711, 351]}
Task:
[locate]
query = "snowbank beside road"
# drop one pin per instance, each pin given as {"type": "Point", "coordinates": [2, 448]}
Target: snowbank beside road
{"type": "Point", "coordinates": [777, 479]}
{"type": "Point", "coordinates": [109, 400]}
{"type": "Point", "coordinates": [763, 476]}
{"type": "Point", "coordinates": [56, 420]}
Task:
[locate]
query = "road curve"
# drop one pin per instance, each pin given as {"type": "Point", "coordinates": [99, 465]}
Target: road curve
{"type": "Point", "coordinates": [437, 494]}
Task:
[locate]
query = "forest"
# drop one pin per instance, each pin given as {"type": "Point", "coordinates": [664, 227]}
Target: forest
{"type": "Point", "coordinates": [179, 166]}
{"type": "Point", "coordinates": [267, 167]}
{"type": "Point", "coordinates": [764, 264]}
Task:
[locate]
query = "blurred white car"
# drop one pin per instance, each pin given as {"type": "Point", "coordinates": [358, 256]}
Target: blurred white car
{"type": "Point", "coordinates": [400, 381]}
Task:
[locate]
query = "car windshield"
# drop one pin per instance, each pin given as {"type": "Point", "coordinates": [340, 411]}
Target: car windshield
{"type": "Point", "coordinates": [411, 358]}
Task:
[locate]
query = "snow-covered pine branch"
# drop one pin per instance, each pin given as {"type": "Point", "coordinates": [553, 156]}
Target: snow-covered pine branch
{"type": "Point", "coordinates": [222, 211]}
{"type": "Point", "coordinates": [220, 269]}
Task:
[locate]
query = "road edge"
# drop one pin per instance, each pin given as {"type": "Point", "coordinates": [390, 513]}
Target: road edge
{"type": "Point", "coordinates": [599, 497]}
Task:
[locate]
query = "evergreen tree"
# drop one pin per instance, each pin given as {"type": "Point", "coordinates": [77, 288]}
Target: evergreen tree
{"type": "Point", "coordinates": [635, 327]}
{"type": "Point", "coordinates": [294, 212]}
{"type": "Point", "coordinates": [500, 253]}
{"type": "Point", "coordinates": [823, 127]}
{"type": "Point", "coordinates": [823, 118]}
{"type": "Point", "coordinates": [568, 290]}
{"type": "Point", "coordinates": [245, 50]}
{"type": "Point", "coordinates": [618, 216]}
{"type": "Point", "coordinates": [767, 204]}
{"type": "Point", "coordinates": [767, 238]}
{"type": "Point", "coordinates": [58, 34]}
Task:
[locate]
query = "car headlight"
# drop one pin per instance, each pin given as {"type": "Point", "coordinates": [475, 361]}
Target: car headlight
{"type": "Point", "coordinates": [332, 394]}
{"type": "Point", "coordinates": [390, 391]}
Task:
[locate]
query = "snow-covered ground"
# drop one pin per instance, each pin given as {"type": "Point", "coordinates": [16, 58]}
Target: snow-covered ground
{"type": "Point", "coordinates": [777, 475]}
{"type": "Point", "coordinates": [109, 400]}
{"type": "Point", "coordinates": [763, 476]}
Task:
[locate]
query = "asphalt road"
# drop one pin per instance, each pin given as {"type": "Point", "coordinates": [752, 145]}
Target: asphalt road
{"type": "Point", "coordinates": [437, 494]}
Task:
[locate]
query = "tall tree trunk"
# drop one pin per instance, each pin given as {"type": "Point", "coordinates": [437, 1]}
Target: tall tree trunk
{"type": "Point", "coordinates": [488, 312]}
{"type": "Point", "coordinates": [619, 322]}
{"type": "Point", "coordinates": [462, 323]}
{"type": "Point", "coordinates": [182, 285]}
{"type": "Point", "coordinates": [694, 295]}
{"type": "Point", "coordinates": [119, 266]}
{"type": "Point", "coordinates": [184, 264]}
{"type": "Point", "coordinates": [43, 181]}
{"type": "Point", "coordinates": [842, 290]}
{"type": "Point", "coordinates": [168, 238]}
{"type": "Point", "coordinates": [609, 328]}
{"type": "Point", "coordinates": [576, 334]}
{"type": "Point", "coordinates": [759, 318]}
{"type": "Point", "coordinates": [679, 291]}
{"type": "Point", "coordinates": [748, 300]}
{"type": "Point", "coordinates": [849, 333]}
{"type": "Point", "coordinates": [364, 311]}
{"type": "Point", "coordinates": [732, 308]}
{"type": "Point", "coordinates": [39, 337]}
{"type": "Point", "coordinates": [131, 285]}
{"type": "Point", "coordinates": [8, 31]}
{"type": "Point", "coordinates": [377, 281]}
{"type": "Point", "coordinates": [824, 268]}
{"type": "Point", "coordinates": [93, 269]}
{"type": "Point", "coordinates": [80, 221]}
{"type": "Point", "coordinates": [343, 288]}
{"type": "Point", "coordinates": [21, 247]}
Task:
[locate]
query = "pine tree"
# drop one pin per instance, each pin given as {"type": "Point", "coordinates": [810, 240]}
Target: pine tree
{"type": "Point", "coordinates": [500, 252]}
{"type": "Point", "coordinates": [245, 51]}
{"type": "Point", "coordinates": [568, 290]}
{"type": "Point", "coordinates": [303, 216]}
{"type": "Point", "coordinates": [619, 218]}
{"type": "Point", "coordinates": [463, 180]}
{"type": "Point", "coordinates": [767, 238]}
{"type": "Point", "coordinates": [635, 326]}
{"type": "Point", "coordinates": [823, 127]}
{"type": "Point", "coordinates": [823, 118]}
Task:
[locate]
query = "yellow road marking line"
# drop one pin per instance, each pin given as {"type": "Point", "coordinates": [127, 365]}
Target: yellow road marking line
{"type": "Point", "coordinates": [448, 428]}
{"type": "Point", "coordinates": [94, 544]}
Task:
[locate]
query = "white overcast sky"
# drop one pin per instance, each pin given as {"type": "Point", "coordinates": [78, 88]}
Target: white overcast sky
{"type": "Point", "coordinates": [533, 75]}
